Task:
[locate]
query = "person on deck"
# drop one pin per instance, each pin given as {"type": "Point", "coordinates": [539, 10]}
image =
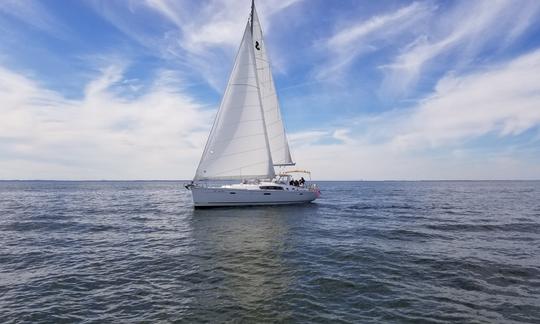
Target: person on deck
{"type": "Point", "coordinates": [291, 182]}
{"type": "Point", "coordinates": [302, 181]}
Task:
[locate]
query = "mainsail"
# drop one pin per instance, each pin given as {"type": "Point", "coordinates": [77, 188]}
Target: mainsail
{"type": "Point", "coordinates": [279, 147]}
{"type": "Point", "coordinates": [238, 145]}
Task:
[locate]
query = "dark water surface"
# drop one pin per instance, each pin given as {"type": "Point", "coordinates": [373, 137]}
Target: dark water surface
{"type": "Point", "coordinates": [365, 252]}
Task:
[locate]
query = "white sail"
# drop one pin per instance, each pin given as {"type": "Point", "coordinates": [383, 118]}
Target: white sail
{"type": "Point", "coordinates": [238, 144]}
{"type": "Point", "coordinates": [279, 147]}
{"type": "Point", "coordinates": [248, 138]}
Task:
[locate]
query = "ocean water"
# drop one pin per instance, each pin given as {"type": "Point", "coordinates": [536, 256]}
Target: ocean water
{"type": "Point", "coordinates": [365, 252]}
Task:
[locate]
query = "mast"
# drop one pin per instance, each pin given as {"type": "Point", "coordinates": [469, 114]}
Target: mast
{"type": "Point", "coordinates": [265, 128]}
{"type": "Point", "coordinates": [251, 16]}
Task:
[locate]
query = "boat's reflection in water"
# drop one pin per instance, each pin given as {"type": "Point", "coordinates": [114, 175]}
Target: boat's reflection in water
{"type": "Point", "coordinates": [242, 252]}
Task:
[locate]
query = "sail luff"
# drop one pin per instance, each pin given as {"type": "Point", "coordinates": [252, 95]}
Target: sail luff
{"type": "Point", "coordinates": [279, 145]}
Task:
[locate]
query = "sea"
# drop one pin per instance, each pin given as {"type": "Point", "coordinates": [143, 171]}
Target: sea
{"type": "Point", "coordinates": [365, 252]}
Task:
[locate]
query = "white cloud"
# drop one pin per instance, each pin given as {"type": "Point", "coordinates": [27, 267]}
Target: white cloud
{"type": "Point", "coordinates": [378, 162]}
{"type": "Point", "coordinates": [501, 100]}
{"type": "Point", "coordinates": [504, 100]}
{"type": "Point", "coordinates": [343, 135]}
{"type": "Point", "coordinates": [43, 135]}
{"type": "Point", "coordinates": [464, 32]}
{"type": "Point", "coordinates": [306, 138]}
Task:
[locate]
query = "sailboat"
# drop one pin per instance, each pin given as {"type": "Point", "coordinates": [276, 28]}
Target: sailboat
{"type": "Point", "coordinates": [248, 139]}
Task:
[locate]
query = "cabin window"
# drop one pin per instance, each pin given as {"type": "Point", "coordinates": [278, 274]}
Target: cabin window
{"type": "Point", "coordinates": [271, 187]}
{"type": "Point", "coordinates": [232, 193]}
{"type": "Point", "coordinates": [267, 194]}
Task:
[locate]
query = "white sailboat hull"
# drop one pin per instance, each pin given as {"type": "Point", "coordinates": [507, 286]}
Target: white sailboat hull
{"type": "Point", "coordinates": [224, 196]}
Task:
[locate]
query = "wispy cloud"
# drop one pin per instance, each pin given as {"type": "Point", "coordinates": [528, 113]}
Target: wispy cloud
{"type": "Point", "coordinates": [34, 14]}
{"type": "Point", "coordinates": [464, 32]}
{"type": "Point", "coordinates": [351, 41]}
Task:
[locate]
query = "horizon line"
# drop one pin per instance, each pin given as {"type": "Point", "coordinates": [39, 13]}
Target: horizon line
{"type": "Point", "coordinates": [189, 180]}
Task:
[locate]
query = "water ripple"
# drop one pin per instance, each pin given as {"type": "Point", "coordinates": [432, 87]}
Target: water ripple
{"type": "Point", "coordinates": [367, 252]}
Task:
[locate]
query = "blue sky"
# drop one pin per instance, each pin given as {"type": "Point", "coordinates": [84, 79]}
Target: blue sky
{"type": "Point", "coordinates": [369, 89]}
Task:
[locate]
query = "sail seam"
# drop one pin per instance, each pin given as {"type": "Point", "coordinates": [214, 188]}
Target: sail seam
{"type": "Point", "coordinates": [240, 168]}
{"type": "Point", "coordinates": [244, 106]}
{"type": "Point", "coordinates": [261, 59]}
{"type": "Point", "coordinates": [244, 84]}
{"type": "Point", "coordinates": [239, 137]}
{"type": "Point", "coordinates": [241, 121]}
{"type": "Point", "coordinates": [236, 153]}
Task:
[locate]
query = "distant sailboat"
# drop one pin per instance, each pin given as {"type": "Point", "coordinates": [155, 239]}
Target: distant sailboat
{"type": "Point", "coordinates": [248, 139]}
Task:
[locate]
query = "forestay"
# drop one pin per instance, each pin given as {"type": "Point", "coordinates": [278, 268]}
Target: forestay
{"type": "Point", "coordinates": [277, 139]}
{"type": "Point", "coordinates": [238, 145]}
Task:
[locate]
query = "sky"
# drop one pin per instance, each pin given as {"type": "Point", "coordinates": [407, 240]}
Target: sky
{"type": "Point", "coordinates": [369, 90]}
